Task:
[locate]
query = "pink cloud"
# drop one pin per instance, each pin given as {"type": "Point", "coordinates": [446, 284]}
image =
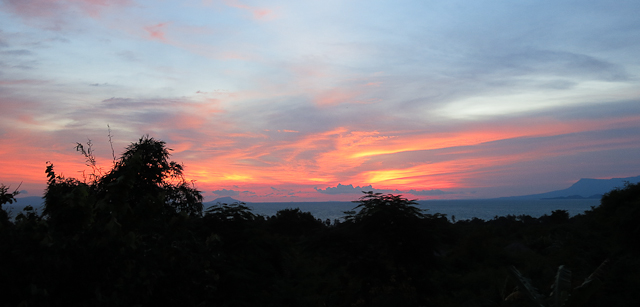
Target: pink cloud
{"type": "Point", "coordinates": [19, 112]}
{"type": "Point", "coordinates": [261, 14]}
{"type": "Point", "coordinates": [343, 155]}
{"type": "Point", "coordinates": [93, 8]}
{"type": "Point", "coordinates": [28, 119]}
{"type": "Point", "coordinates": [35, 8]}
{"type": "Point", "coordinates": [157, 31]}
{"type": "Point", "coordinates": [54, 8]}
{"type": "Point", "coordinates": [356, 94]}
{"type": "Point", "coordinates": [257, 13]}
{"type": "Point", "coordinates": [182, 36]}
{"type": "Point", "coordinates": [220, 152]}
{"type": "Point", "coordinates": [336, 96]}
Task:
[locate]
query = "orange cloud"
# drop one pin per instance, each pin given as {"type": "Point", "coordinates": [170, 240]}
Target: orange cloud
{"type": "Point", "coordinates": [24, 156]}
{"type": "Point", "coordinates": [221, 154]}
{"type": "Point", "coordinates": [345, 156]}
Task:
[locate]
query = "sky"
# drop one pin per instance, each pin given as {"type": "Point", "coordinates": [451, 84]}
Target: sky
{"type": "Point", "coordinates": [320, 100]}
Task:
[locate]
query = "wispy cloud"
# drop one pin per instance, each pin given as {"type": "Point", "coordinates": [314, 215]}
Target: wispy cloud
{"type": "Point", "coordinates": [415, 98]}
{"type": "Point", "coordinates": [56, 15]}
{"type": "Point", "coordinates": [157, 31]}
{"type": "Point", "coordinates": [257, 13]}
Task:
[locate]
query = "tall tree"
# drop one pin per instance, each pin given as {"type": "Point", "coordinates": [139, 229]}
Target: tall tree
{"type": "Point", "coordinates": [142, 187]}
{"type": "Point", "coordinates": [6, 197]}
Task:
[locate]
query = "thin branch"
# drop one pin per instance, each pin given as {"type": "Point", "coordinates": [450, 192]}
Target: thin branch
{"type": "Point", "coordinates": [113, 153]}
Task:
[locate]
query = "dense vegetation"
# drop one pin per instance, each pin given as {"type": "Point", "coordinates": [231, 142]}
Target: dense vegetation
{"type": "Point", "coordinates": [137, 235]}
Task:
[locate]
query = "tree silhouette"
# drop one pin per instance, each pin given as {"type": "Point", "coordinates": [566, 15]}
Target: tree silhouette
{"type": "Point", "coordinates": [145, 179]}
{"type": "Point", "coordinates": [135, 235]}
{"type": "Point", "coordinates": [384, 208]}
{"type": "Point", "coordinates": [394, 243]}
{"type": "Point", "coordinates": [126, 237]}
{"type": "Point", "coordinates": [295, 222]}
{"type": "Point", "coordinates": [6, 198]}
{"type": "Point", "coordinates": [143, 187]}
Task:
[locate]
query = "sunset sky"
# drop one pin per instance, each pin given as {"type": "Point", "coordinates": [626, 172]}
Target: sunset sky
{"type": "Point", "coordinates": [318, 100]}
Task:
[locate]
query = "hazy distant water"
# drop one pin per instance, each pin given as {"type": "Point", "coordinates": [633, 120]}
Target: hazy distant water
{"type": "Point", "coordinates": [488, 209]}
{"type": "Point", "coordinates": [461, 209]}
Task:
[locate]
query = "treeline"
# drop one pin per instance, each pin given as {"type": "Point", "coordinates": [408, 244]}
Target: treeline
{"type": "Point", "coordinates": [137, 235]}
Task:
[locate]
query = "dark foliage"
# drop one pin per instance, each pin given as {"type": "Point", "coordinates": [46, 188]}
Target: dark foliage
{"type": "Point", "coordinates": [5, 198]}
{"type": "Point", "coordinates": [293, 222]}
{"type": "Point", "coordinates": [123, 238]}
{"type": "Point", "coordinates": [136, 236]}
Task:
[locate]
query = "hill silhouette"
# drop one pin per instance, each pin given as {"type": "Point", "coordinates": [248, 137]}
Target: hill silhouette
{"type": "Point", "coordinates": [223, 200]}
{"type": "Point", "coordinates": [584, 188]}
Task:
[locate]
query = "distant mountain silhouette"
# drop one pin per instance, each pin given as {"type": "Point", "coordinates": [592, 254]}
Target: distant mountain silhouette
{"type": "Point", "coordinates": [223, 200]}
{"type": "Point", "coordinates": [36, 202]}
{"type": "Point", "coordinates": [594, 196]}
{"type": "Point", "coordinates": [21, 202]}
{"type": "Point", "coordinates": [583, 189]}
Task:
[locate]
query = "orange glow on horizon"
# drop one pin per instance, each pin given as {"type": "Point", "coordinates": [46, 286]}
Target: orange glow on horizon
{"type": "Point", "coordinates": [246, 160]}
{"type": "Point", "coordinates": [341, 150]}
{"type": "Point", "coordinates": [292, 100]}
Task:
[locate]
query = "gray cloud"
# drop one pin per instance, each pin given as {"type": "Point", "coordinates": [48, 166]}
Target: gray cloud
{"type": "Point", "coordinates": [350, 189]}
{"type": "Point", "coordinates": [225, 192]}
{"type": "Point", "coordinates": [345, 189]}
{"type": "Point", "coordinates": [128, 56]}
{"type": "Point", "coordinates": [559, 63]}
{"type": "Point", "coordinates": [16, 52]}
{"type": "Point", "coordinates": [441, 53]}
{"type": "Point", "coordinates": [230, 192]}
